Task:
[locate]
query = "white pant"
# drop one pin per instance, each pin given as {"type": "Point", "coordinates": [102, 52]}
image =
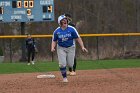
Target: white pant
{"type": "Point", "coordinates": [66, 56]}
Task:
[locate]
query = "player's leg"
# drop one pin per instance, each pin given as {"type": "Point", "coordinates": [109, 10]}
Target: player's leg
{"type": "Point", "coordinates": [33, 56]}
{"type": "Point", "coordinates": [28, 54]}
{"type": "Point", "coordinates": [70, 69]}
{"type": "Point", "coordinates": [62, 62]}
{"type": "Point", "coordinates": [74, 67]}
{"type": "Point", "coordinates": [70, 56]}
{"type": "Point", "coordinates": [75, 63]}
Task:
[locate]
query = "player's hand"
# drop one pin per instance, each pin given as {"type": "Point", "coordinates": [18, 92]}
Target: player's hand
{"type": "Point", "coordinates": [52, 50]}
{"type": "Point", "coordinates": [84, 49]}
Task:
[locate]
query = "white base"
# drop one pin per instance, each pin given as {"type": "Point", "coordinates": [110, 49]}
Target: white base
{"type": "Point", "coordinates": [45, 76]}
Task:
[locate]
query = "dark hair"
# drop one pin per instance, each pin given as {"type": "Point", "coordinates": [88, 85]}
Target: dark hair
{"type": "Point", "coordinates": [68, 15]}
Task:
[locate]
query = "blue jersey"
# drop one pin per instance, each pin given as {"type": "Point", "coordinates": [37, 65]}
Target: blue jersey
{"type": "Point", "coordinates": [65, 38]}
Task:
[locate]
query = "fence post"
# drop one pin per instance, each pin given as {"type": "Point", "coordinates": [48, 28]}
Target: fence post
{"type": "Point", "coordinates": [10, 45]}
{"type": "Point", "coordinates": [23, 57]}
{"type": "Point", "coordinates": [52, 56]}
{"type": "Point", "coordinates": [97, 47]}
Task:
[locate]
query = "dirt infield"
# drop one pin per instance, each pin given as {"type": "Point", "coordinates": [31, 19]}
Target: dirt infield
{"type": "Point", "coordinates": [89, 81]}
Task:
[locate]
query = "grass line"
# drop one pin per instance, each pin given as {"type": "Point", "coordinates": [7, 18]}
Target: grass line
{"type": "Point", "coordinates": [7, 68]}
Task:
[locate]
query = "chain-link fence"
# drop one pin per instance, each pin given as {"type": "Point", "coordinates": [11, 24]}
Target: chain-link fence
{"type": "Point", "coordinates": [90, 17]}
{"type": "Point", "coordinates": [112, 47]}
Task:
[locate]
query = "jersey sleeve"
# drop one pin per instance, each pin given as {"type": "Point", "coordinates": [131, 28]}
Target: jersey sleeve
{"type": "Point", "coordinates": [55, 36]}
{"type": "Point", "coordinates": [34, 42]}
{"type": "Point", "coordinates": [75, 33]}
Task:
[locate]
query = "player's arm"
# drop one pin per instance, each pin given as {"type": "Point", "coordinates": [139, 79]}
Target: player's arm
{"type": "Point", "coordinates": [34, 43]}
{"type": "Point", "coordinates": [81, 44]}
{"type": "Point", "coordinates": [54, 42]}
{"type": "Point", "coordinates": [53, 46]}
{"type": "Point", "coordinates": [78, 38]}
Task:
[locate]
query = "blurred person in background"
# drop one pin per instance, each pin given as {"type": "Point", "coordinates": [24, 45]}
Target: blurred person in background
{"type": "Point", "coordinates": [30, 46]}
{"type": "Point", "coordinates": [72, 70]}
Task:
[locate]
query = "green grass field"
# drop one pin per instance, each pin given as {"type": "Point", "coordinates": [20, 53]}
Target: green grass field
{"type": "Point", "coordinates": [7, 68]}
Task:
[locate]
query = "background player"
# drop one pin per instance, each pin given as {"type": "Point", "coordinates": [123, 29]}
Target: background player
{"type": "Point", "coordinates": [72, 71]}
{"type": "Point", "coordinates": [30, 46]}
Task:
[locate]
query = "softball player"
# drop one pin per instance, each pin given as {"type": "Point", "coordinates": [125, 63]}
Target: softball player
{"type": "Point", "coordinates": [64, 37]}
{"type": "Point", "coordinates": [30, 45]}
{"type": "Point", "coordinates": [72, 71]}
